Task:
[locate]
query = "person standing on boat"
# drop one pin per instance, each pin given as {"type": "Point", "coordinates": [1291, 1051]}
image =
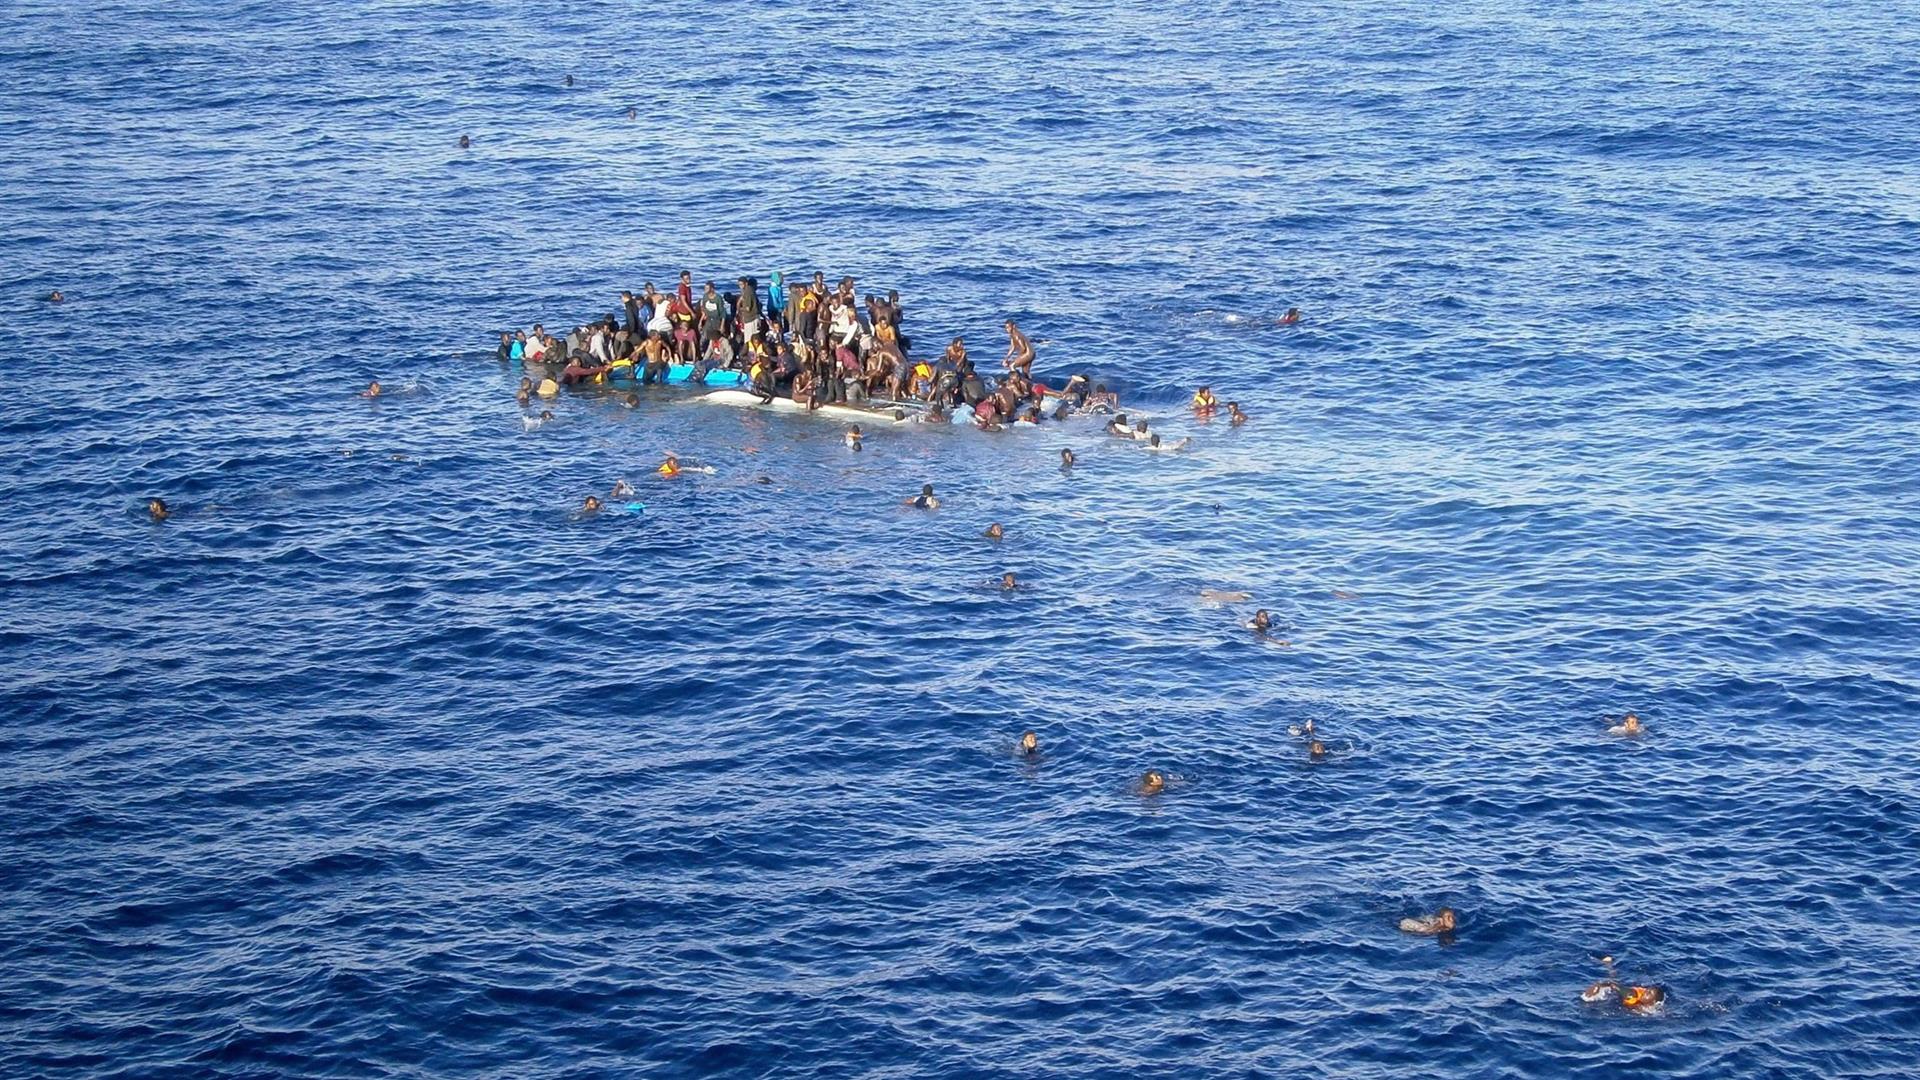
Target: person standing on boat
{"type": "Point", "coordinates": [1019, 351]}
{"type": "Point", "coordinates": [632, 306]}
{"type": "Point", "coordinates": [777, 296]}
{"type": "Point", "coordinates": [713, 316]}
{"type": "Point", "coordinates": [746, 311]}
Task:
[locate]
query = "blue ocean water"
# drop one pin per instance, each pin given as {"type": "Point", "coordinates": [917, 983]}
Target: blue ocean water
{"type": "Point", "coordinates": [378, 760]}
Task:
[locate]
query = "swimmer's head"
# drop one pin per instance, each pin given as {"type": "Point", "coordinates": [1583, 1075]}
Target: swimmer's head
{"type": "Point", "coordinates": [854, 431]}
{"type": "Point", "coordinates": [1029, 744]}
{"type": "Point", "coordinates": [522, 396]}
{"type": "Point", "coordinates": [927, 490]}
{"type": "Point", "coordinates": [372, 390]}
{"type": "Point", "coordinates": [546, 414]}
{"type": "Point", "coordinates": [633, 113]}
{"type": "Point", "coordinates": [1066, 457]}
{"type": "Point", "coordinates": [1631, 724]}
{"type": "Point", "coordinates": [569, 80]}
{"type": "Point", "coordinates": [157, 509]}
{"type": "Point", "coordinates": [1152, 782]}
{"type": "Point", "coordinates": [1007, 581]}
{"type": "Point", "coordinates": [1642, 997]}
{"type": "Point", "coordinates": [1316, 750]}
{"type": "Point", "coordinates": [1141, 426]}
{"type": "Point", "coordinates": [1445, 919]}
{"type": "Point", "coordinates": [1261, 620]}
{"type": "Point", "coordinates": [633, 400]}
{"type": "Point", "coordinates": [592, 504]}
{"type": "Point", "coordinates": [55, 297]}
{"type": "Point", "coordinates": [465, 142]}
{"type": "Point", "coordinates": [1152, 440]}
{"type": "Point", "coordinates": [526, 384]}
{"type": "Point", "coordinates": [995, 532]}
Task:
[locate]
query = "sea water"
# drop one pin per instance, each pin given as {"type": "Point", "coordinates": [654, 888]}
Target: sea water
{"type": "Point", "coordinates": [379, 759]}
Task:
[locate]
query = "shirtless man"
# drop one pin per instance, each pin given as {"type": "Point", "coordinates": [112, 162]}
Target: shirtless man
{"type": "Point", "coordinates": [1019, 351]}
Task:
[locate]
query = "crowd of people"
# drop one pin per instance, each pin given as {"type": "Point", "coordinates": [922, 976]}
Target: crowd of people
{"type": "Point", "coordinates": [817, 345]}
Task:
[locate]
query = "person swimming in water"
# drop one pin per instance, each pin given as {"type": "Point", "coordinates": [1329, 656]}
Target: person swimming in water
{"type": "Point", "coordinates": [923, 501]}
{"type": "Point", "coordinates": [1627, 728]}
{"type": "Point", "coordinates": [1234, 415]}
{"type": "Point", "coordinates": [1066, 459]}
{"type": "Point", "coordinates": [1305, 729]}
{"type": "Point", "coordinates": [591, 506]}
{"type": "Point", "coordinates": [853, 437]}
{"type": "Point", "coordinates": [1439, 923]}
{"type": "Point", "coordinates": [1154, 443]}
{"type": "Point", "coordinates": [1642, 999]}
{"type": "Point", "coordinates": [1029, 745]}
{"type": "Point", "coordinates": [1007, 581]}
{"type": "Point", "coordinates": [621, 490]}
{"type": "Point", "coordinates": [1633, 998]}
{"type": "Point", "coordinates": [1316, 751]}
{"type": "Point", "coordinates": [669, 468]}
{"type": "Point", "coordinates": [157, 509]}
{"type": "Point", "coordinates": [1292, 316]}
{"type": "Point", "coordinates": [1152, 782]}
{"type": "Point", "coordinates": [1140, 432]}
{"type": "Point", "coordinates": [372, 390]}
{"type": "Point", "coordinates": [56, 297]}
{"type": "Point", "coordinates": [1204, 403]}
{"type": "Point", "coordinates": [465, 142]}
{"type": "Point", "coordinates": [994, 531]}
{"type": "Point", "coordinates": [1261, 622]}
{"type": "Point", "coordinates": [1118, 428]}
